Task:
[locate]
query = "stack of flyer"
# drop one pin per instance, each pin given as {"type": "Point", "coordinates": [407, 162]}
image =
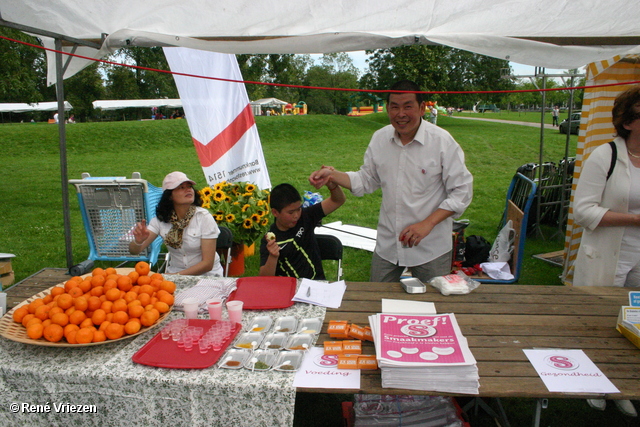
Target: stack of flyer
{"type": "Point", "coordinates": [424, 352]}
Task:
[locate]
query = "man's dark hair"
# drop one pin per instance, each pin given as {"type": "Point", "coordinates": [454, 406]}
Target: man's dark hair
{"type": "Point", "coordinates": [623, 113]}
{"type": "Point", "coordinates": [408, 86]}
{"type": "Point", "coordinates": [283, 195]}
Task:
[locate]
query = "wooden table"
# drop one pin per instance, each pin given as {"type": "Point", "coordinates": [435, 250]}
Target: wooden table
{"type": "Point", "coordinates": [500, 321]}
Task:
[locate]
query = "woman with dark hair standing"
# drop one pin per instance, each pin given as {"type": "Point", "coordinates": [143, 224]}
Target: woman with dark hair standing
{"type": "Point", "coordinates": [189, 230]}
{"type": "Point", "coordinates": [607, 205]}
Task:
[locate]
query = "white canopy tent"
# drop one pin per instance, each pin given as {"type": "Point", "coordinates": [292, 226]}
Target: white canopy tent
{"type": "Point", "coordinates": [39, 106]}
{"type": "Point", "coordinates": [543, 33]}
{"type": "Point", "coordinates": [116, 104]}
{"type": "Point", "coordinates": [258, 104]}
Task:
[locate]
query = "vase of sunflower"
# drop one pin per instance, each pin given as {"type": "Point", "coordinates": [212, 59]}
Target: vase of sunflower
{"type": "Point", "coordinates": [240, 206]}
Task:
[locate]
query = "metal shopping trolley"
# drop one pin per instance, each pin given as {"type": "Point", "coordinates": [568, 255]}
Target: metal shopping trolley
{"type": "Point", "coordinates": [110, 207]}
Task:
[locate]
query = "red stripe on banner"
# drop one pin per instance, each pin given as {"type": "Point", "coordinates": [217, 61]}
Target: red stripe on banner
{"type": "Point", "coordinates": [225, 140]}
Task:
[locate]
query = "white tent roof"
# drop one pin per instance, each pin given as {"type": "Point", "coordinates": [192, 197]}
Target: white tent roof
{"type": "Point", "coordinates": [42, 106]}
{"type": "Point", "coordinates": [269, 102]}
{"type": "Point", "coordinates": [138, 103]}
{"type": "Point", "coordinates": [547, 33]}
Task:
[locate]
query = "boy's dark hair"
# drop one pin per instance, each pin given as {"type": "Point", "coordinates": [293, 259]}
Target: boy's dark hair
{"type": "Point", "coordinates": [406, 85]}
{"type": "Point", "coordinates": [283, 195]}
{"type": "Point", "coordinates": [623, 113]}
{"type": "Point", "coordinates": [165, 205]}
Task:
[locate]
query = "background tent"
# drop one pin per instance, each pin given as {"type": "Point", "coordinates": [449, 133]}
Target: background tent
{"type": "Point", "coordinates": [24, 108]}
{"type": "Point", "coordinates": [136, 103]}
{"type": "Point", "coordinates": [259, 104]}
{"type": "Point", "coordinates": [595, 129]}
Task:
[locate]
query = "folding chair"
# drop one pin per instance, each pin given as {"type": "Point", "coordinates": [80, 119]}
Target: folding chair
{"type": "Point", "coordinates": [110, 207]}
{"type": "Point", "coordinates": [519, 200]}
{"type": "Point", "coordinates": [330, 249]}
{"type": "Point", "coordinates": [223, 247]}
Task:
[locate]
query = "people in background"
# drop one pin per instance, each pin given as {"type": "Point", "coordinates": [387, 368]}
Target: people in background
{"type": "Point", "coordinates": [607, 205]}
{"type": "Point", "coordinates": [433, 115]}
{"type": "Point", "coordinates": [188, 230]}
{"type": "Point", "coordinates": [293, 250]}
{"type": "Point", "coordinates": [425, 184]}
{"type": "Point", "coordinates": [555, 113]}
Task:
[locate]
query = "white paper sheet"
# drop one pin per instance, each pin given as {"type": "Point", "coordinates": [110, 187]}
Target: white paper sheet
{"type": "Point", "coordinates": [569, 371]}
{"type": "Point", "coordinates": [401, 306]}
{"type": "Point", "coordinates": [320, 293]}
{"type": "Point", "coordinates": [320, 371]}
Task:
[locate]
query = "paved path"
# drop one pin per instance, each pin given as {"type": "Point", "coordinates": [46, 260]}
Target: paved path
{"type": "Point", "coordinates": [511, 122]}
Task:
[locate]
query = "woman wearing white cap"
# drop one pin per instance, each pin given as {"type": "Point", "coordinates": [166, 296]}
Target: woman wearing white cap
{"type": "Point", "coordinates": [188, 230]}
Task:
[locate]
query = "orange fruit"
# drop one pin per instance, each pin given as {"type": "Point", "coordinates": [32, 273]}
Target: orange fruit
{"type": "Point", "coordinates": [120, 317]}
{"type": "Point", "coordinates": [99, 336]}
{"type": "Point", "coordinates": [47, 299]}
{"type": "Point", "coordinates": [146, 289]}
{"type": "Point", "coordinates": [35, 331]}
{"type": "Point", "coordinates": [119, 305]}
{"type": "Point", "coordinates": [156, 276]}
{"type": "Point", "coordinates": [70, 327]}
{"type": "Point", "coordinates": [71, 336]}
{"type": "Point", "coordinates": [144, 280]}
{"type": "Point", "coordinates": [42, 312]}
{"type": "Point", "coordinates": [81, 303]}
{"type": "Point", "coordinates": [77, 317]}
{"type": "Point", "coordinates": [155, 284]}
{"type": "Point", "coordinates": [70, 284]}
{"type": "Point", "coordinates": [46, 323]}
{"type": "Point", "coordinates": [60, 319]}
{"type": "Point", "coordinates": [26, 319]}
{"type": "Point", "coordinates": [104, 325]}
{"type": "Point", "coordinates": [113, 294]}
{"type": "Point", "coordinates": [168, 286]}
{"type": "Point", "coordinates": [110, 284]}
{"type": "Point", "coordinates": [148, 318]}
{"type": "Point", "coordinates": [99, 316]}
{"type": "Point", "coordinates": [98, 291]}
{"type": "Point", "coordinates": [65, 301]}
{"type": "Point", "coordinates": [35, 304]}
{"type": "Point", "coordinates": [109, 317]}
{"type": "Point", "coordinates": [124, 283]}
{"type": "Point", "coordinates": [143, 268]}
{"type": "Point", "coordinates": [53, 332]}
{"type": "Point", "coordinates": [168, 299]}
{"type": "Point", "coordinates": [34, 320]}
{"type": "Point", "coordinates": [134, 277]}
{"type": "Point", "coordinates": [69, 310]}
{"type": "Point", "coordinates": [114, 331]}
{"type": "Point", "coordinates": [19, 314]}
{"type": "Point", "coordinates": [85, 286]}
{"type": "Point", "coordinates": [76, 292]}
{"type": "Point", "coordinates": [135, 311]}
{"type": "Point", "coordinates": [93, 303]}
{"type": "Point", "coordinates": [110, 270]}
{"type": "Point", "coordinates": [98, 272]}
{"type": "Point", "coordinates": [162, 307]}
{"type": "Point", "coordinates": [132, 327]}
{"type": "Point", "coordinates": [130, 296]}
{"type": "Point", "coordinates": [58, 290]}
{"type": "Point", "coordinates": [86, 323]}
{"type": "Point", "coordinates": [144, 299]}
{"type": "Point", "coordinates": [84, 335]}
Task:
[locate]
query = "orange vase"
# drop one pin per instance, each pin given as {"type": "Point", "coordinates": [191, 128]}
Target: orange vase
{"type": "Point", "coordinates": [236, 268]}
{"type": "Point", "coordinates": [249, 250]}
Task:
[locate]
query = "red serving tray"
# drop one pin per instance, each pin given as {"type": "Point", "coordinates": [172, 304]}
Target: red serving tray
{"type": "Point", "coordinates": [264, 292]}
{"type": "Point", "coordinates": [166, 353]}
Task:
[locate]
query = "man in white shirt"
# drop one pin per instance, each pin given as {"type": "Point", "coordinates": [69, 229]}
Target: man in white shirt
{"type": "Point", "coordinates": [425, 184]}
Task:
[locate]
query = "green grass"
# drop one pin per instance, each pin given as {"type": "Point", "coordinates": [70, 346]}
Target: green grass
{"type": "Point", "coordinates": [294, 146]}
{"type": "Point", "coordinates": [519, 116]}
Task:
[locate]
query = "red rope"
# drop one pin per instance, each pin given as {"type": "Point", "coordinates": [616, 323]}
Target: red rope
{"type": "Point", "coordinates": [309, 87]}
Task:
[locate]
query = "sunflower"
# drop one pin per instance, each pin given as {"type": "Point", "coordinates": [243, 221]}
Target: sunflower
{"type": "Point", "coordinates": [219, 195]}
{"type": "Point", "coordinates": [245, 207]}
{"type": "Point", "coordinates": [255, 217]}
{"type": "Point", "coordinates": [230, 218]}
{"type": "Point", "coordinates": [206, 192]}
{"type": "Point", "coordinates": [247, 223]}
{"type": "Point", "coordinates": [264, 222]}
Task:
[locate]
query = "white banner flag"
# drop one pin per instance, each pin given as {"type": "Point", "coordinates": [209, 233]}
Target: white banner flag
{"type": "Point", "coordinates": [219, 115]}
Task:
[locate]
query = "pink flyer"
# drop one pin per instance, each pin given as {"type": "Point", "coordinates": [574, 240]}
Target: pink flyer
{"type": "Point", "coordinates": [415, 339]}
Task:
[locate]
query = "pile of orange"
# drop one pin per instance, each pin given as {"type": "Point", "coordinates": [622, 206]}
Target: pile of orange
{"type": "Point", "coordinates": [103, 306]}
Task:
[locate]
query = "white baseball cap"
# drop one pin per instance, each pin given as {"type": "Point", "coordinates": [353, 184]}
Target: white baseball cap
{"type": "Point", "coordinates": [174, 179]}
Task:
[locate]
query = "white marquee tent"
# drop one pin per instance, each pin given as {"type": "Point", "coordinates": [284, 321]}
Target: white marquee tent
{"type": "Point", "coordinates": [559, 34]}
{"type": "Point", "coordinates": [38, 106]}
{"type": "Point", "coordinates": [116, 104]}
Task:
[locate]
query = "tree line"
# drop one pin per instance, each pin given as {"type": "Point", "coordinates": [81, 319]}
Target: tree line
{"type": "Point", "coordinates": [434, 68]}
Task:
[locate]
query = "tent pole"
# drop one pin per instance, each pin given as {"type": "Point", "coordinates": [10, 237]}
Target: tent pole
{"type": "Point", "coordinates": [541, 159]}
{"type": "Point", "coordinates": [64, 180]}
